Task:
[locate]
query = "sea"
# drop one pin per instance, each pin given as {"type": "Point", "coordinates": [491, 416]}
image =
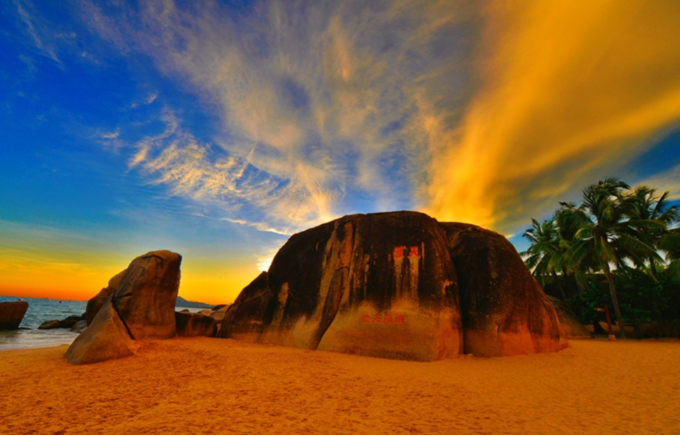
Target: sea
{"type": "Point", "coordinates": [39, 311]}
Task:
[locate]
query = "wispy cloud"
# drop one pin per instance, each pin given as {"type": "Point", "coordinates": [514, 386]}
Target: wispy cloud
{"type": "Point", "coordinates": [210, 175]}
{"type": "Point", "coordinates": [148, 100]}
{"type": "Point", "coordinates": [477, 112]}
{"type": "Point", "coordinates": [668, 181]}
{"type": "Point", "coordinates": [37, 30]}
{"type": "Point", "coordinates": [571, 93]}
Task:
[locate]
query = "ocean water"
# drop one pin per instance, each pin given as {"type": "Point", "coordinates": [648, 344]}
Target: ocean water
{"type": "Point", "coordinates": [39, 311]}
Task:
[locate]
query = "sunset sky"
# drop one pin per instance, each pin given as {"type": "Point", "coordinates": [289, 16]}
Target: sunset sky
{"type": "Point", "coordinates": [218, 129]}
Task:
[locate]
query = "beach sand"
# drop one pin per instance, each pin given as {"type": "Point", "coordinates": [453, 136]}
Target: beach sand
{"type": "Point", "coordinates": [211, 386]}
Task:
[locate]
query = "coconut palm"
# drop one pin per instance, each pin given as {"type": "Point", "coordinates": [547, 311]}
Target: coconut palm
{"type": "Point", "coordinates": [670, 243]}
{"type": "Point", "coordinates": [545, 245]}
{"type": "Point", "coordinates": [645, 207]}
{"type": "Point", "coordinates": [608, 235]}
{"type": "Point", "coordinates": [569, 219]}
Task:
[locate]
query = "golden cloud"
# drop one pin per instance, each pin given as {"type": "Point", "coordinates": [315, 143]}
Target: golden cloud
{"type": "Point", "coordinates": [479, 112]}
{"type": "Point", "coordinates": [572, 91]}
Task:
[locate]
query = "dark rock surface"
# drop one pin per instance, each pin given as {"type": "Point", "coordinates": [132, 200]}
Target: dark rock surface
{"type": "Point", "coordinates": [194, 325]}
{"type": "Point", "coordinates": [397, 285]}
{"type": "Point", "coordinates": [64, 323]}
{"type": "Point", "coordinates": [243, 320]}
{"type": "Point", "coordinates": [381, 285]}
{"type": "Point", "coordinates": [146, 295]}
{"type": "Point", "coordinates": [505, 311]}
{"type": "Point", "coordinates": [106, 338]}
{"type": "Point", "coordinates": [79, 326]}
{"type": "Point", "coordinates": [570, 323]}
{"type": "Point", "coordinates": [95, 303]}
{"type": "Point", "coordinates": [50, 324]}
{"type": "Point", "coordinates": [11, 314]}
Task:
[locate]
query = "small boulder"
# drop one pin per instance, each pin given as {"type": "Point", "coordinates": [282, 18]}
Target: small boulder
{"type": "Point", "coordinates": [146, 295]}
{"type": "Point", "coordinates": [70, 321]}
{"type": "Point", "coordinates": [64, 323]}
{"type": "Point", "coordinates": [194, 325]}
{"type": "Point", "coordinates": [11, 314]}
{"type": "Point", "coordinates": [218, 314]}
{"type": "Point", "coordinates": [94, 304]}
{"type": "Point", "coordinates": [106, 338]}
{"type": "Point", "coordinates": [50, 324]}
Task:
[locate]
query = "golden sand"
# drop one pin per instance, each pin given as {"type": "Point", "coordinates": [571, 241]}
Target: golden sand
{"type": "Point", "coordinates": [211, 386]}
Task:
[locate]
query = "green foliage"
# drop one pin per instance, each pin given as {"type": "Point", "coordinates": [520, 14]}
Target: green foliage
{"type": "Point", "coordinates": [641, 298]}
{"type": "Point", "coordinates": [609, 245]}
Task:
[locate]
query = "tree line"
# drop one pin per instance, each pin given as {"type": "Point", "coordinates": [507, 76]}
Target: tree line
{"type": "Point", "coordinates": [619, 238]}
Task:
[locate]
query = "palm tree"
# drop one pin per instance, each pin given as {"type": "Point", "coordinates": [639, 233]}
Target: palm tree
{"type": "Point", "coordinates": [608, 235]}
{"type": "Point", "coordinates": [539, 257]}
{"type": "Point", "coordinates": [671, 244]}
{"type": "Point", "coordinates": [646, 206]}
{"type": "Point", "coordinates": [569, 219]}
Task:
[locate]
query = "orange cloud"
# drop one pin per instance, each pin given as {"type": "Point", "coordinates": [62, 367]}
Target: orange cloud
{"type": "Point", "coordinates": [572, 91]}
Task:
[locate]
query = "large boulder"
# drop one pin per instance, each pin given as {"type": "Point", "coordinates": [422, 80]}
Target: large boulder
{"type": "Point", "coordinates": [106, 338]}
{"type": "Point", "coordinates": [11, 314]}
{"type": "Point", "coordinates": [380, 285]}
{"type": "Point", "coordinates": [397, 285]}
{"type": "Point", "coordinates": [142, 306]}
{"type": "Point", "coordinates": [95, 303]}
{"type": "Point", "coordinates": [505, 311]}
{"type": "Point", "coordinates": [194, 325]}
{"type": "Point", "coordinates": [243, 320]}
{"type": "Point", "coordinates": [146, 295]}
{"type": "Point", "coordinates": [570, 324]}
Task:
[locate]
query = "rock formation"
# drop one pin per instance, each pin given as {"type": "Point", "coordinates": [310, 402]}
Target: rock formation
{"type": "Point", "coordinates": [96, 302]}
{"type": "Point", "coordinates": [11, 314]}
{"type": "Point", "coordinates": [397, 285]}
{"type": "Point", "coordinates": [379, 285]}
{"type": "Point", "coordinates": [64, 323]}
{"type": "Point", "coordinates": [106, 338]}
{"type": "Point", "coordinates": [79, 326]}
{"type": "Point", "coordinates": [142, 306]}
{"type": "Point", "coordinates": [194, 325]}
{"type": "Point", "coordinates": [570, 323]}
{"type": "Point", "coordinates": [218, 314]}
{"type": "Point", "coordinates": [145, 297]}
{"type": "Point", "coordinates": [505, 311]}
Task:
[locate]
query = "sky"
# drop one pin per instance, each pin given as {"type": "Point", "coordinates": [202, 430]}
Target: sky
{"type": "Point", "coordinates": [218, 129]}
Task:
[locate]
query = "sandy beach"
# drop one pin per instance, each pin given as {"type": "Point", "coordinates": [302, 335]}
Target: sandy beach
{"type": "Point", "coordinates": [202, 385]}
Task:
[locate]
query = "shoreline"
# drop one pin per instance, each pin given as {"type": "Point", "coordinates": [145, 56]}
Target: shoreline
{"type": "Point", "coordinates": [203, 385]}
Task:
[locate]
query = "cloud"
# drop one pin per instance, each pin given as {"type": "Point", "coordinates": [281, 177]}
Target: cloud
{"type": "Point", "coordinates": [668, 181]}
{"type": "Point", "coordinates": [211, 176]}
{"type": "Point", "coordinates": [571, 93]}
{"type": "Point", "coordinates": [481, 112]}
{"type": "Point", "coordinates": [147, 101]}
{"type": "Point", "coordinates": [110, 135]}
{"type": "Point", "coordinates": [37, 30]}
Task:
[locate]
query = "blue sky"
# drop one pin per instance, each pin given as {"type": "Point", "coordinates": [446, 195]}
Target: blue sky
{"type": "Point", "coordinates": [218, 129]}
